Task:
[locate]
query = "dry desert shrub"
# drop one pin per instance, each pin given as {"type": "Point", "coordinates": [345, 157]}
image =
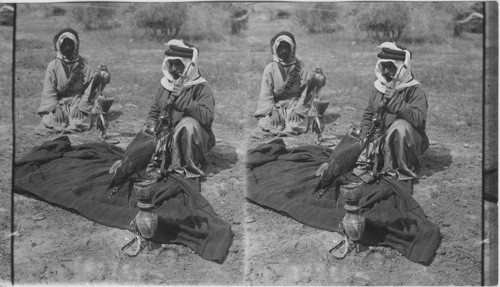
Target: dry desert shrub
{"type": "Point", "coordinates": [424, 22]}
{"type": "Point", "coordinates": [318, 18]}
{"type": "Point", "coordinates": [161, 21]}
{"type": "Point", "coordinates": [207, 21]}
{"type": "Point", "coordinates": [94, 16]}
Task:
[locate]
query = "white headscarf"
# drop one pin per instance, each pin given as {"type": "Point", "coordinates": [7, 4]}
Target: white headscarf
{"type": "Point", "coordinates": [284, 38]}
{"type": "Point", "coordinates": [404, 77]}
{"type": "Point", "coordinates": [191, 72]}
{"type": "Point", "coordinates": [72, 37]}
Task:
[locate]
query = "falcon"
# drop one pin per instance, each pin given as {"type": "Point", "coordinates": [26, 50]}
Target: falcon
{"type": "Point", "coordinates": [135, 161]}
{"type": "Point", "coordinates": [101, 79]}
{"type": "Point", "coordinates": [342, 162]}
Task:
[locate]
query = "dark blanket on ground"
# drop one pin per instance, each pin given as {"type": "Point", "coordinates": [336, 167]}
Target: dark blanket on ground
{"type": "Point", "coordinates": [76, 178]}
{"type": "Point", "coordinates": [284, 179]}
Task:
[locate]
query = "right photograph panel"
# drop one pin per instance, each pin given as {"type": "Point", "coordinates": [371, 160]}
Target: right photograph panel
{"type": "Point", "coordinates": [364, 161]}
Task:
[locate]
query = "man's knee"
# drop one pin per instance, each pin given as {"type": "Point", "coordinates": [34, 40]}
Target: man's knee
{"type": "Point", "coordinates": [265, 125]}
{"type": "Point", "coordinates": [189, 124]}
{"type": "Point", "coordinates": [400, 126]}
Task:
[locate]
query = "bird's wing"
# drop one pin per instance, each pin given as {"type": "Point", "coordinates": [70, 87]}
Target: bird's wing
{"type": "Point", "coordinates": [96, 82]}
{"type": "Point", "coordinates": [342, 161]}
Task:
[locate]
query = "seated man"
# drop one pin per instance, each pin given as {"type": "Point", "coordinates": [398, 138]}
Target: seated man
{"type": "Point", "coordinates": [287, 90]}
{"type": "Point", "coordinates": [184, 111]}
{"type": "Point", "coordinates": [394, 120]}
{"type": "Point", "coordinates": [66, 97]}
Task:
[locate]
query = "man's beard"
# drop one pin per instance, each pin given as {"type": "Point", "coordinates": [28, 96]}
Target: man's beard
{"type": "Point", "coordinates": [176, 75]}
{"type": "Point", "coordinates": [388, 77]}
{"type": "Point", "coordinates": [68, 54]}
{"type": "Point", "coordinates": [284, 57]}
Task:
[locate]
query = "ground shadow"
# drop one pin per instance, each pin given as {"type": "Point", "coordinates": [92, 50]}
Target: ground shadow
{"type": "Point", "coordinates": [219, 158]}
{"type": "Point", "coordinates": [330, 118]}
{"type": "Point", "coordinates": [123, 134]}
{"type": "Point", "coordinates": [114, 115]}
{"type": "Point", "coordinates": [435, 159]}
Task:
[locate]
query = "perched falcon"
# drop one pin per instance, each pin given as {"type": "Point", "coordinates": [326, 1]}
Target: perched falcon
{"type": "Point", "coordinates": [101, 78]}
{"type": "Point", "coordinates": [320, 77]}
{"type": "Point", "coordinates": [342, 162]}
{"type": "Point", "coordinates": [135, 160]}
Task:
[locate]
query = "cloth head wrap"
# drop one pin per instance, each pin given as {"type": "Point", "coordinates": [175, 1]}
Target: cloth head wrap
{"type": "Point", "coordinates": [401, 58]}
{"type": "Point", "coordinates": [178, 49]}
{"type": "Point", "coordinates": [58, 40]}
{"type": "Point", "coordinates": [275, 42]}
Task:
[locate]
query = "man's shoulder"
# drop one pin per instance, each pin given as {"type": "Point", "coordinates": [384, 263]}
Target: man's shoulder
{"type": "Point", "coordinates": [415, 90]}
{"type": "Point", "coordinates": [52, 64]}
{"type": "Point", "coordinates": [204, 86]}
{"type": "Point", "coordinates": [84, 61]}
{"type": "Point", "coordinates": [59, 63]}
{"type": "Point", "coordinates": [271, 66]}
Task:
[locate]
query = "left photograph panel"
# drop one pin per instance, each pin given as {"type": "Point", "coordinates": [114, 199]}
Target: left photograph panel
{"type": "Point", "coordinates": [126, 165]}
{"type": "Point", "coordinates": [6, 46]}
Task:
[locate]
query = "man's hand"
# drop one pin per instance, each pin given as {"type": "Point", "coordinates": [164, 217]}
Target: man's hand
{"type": "Point", "coordinates": [77, 114]}
{"type": "Point", "coordinates": [391, 97]}
{"type": "Point", "coordinates": [389, 94]}
{"type": "Point", "coordinates": [293, 117]}
{"type": "Point", "coordinates": [178, 90]}
{"type": "Point", "coordinates": [59, 116]}
{"type": "Point", "coordinates": [275, 119]}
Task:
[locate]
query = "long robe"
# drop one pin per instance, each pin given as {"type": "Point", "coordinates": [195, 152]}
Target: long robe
{"type": "Point", "coordinates": [192, 117]}
{"type": "Point", "coordinates": [56, 76]}
{"type": "Point", "coordinates": [405, 123]}
{"type": "Point", "coordinates": [298, 99]}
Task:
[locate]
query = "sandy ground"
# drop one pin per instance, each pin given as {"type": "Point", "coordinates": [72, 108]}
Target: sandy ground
{"type": "Point", "coordinates": [56, 246]}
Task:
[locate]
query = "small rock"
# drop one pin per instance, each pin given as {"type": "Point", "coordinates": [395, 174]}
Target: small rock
{"type": "Point", "coordinates": [461, 123]}
{"type": "Point", "coordinates": [233, 249]}
{"type": "Point", "coordinates": [466, 146]}
{"type": "Point", "coordinates": [38, 217]}
{"type": "Point", "coordinates": [249, 220]}
{"type": "Point", "coordinates": [33, 244]}
{"type": "Point", "coordinates": [441, 252]}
